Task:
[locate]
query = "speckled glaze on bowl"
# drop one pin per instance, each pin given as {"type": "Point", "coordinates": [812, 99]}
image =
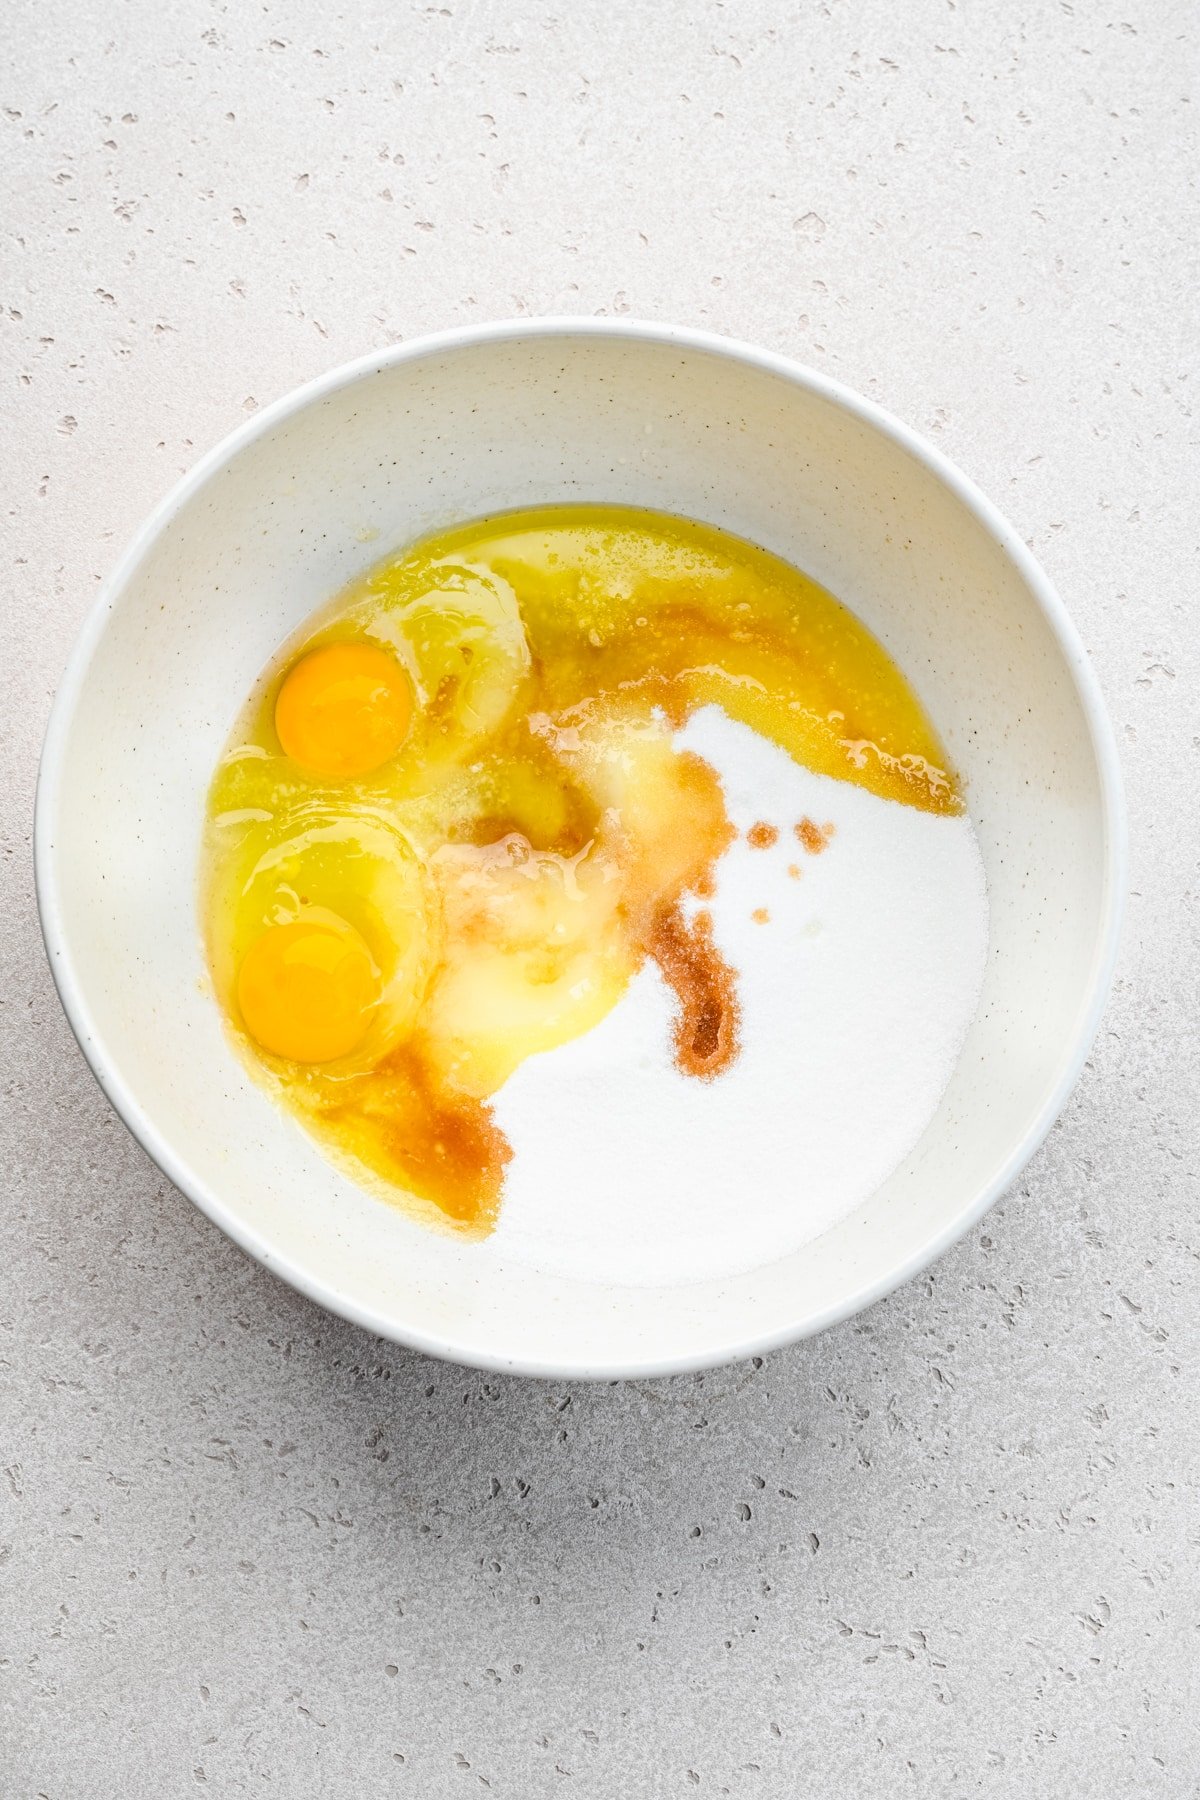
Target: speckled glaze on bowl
{"type": "Point", "coordinates": [317, 487]}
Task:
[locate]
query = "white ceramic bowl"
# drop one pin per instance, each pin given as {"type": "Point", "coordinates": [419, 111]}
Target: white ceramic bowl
{"type": "Point", "coordinates": [314, 489]}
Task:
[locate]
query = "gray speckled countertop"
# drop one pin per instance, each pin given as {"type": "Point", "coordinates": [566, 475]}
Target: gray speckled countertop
{"type": "Point", "coordinates": [951, 1548]}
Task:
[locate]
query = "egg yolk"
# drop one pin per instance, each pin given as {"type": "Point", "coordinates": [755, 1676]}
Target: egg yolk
{"type": "Point", "coordinates": [306, 990]}
{"type": "Point", "coordinates": [343, 710]}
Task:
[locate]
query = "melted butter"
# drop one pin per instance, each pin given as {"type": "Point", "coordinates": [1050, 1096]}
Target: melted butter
{"type": "Point", "coordinates": [536, 837]}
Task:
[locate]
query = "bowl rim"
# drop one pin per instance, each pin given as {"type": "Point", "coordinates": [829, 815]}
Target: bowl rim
{"type": "Point", "coordinates": [363, 368]}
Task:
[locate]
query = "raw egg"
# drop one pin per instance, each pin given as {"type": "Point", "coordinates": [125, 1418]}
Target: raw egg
{"type": "Point", "coordinates": [343, 710]}
{"type": "Point", "coordinates": [306, 989]}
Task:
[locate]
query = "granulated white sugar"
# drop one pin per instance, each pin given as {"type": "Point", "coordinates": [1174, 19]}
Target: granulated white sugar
{"type": "Point", "coordinates": [856, 994]}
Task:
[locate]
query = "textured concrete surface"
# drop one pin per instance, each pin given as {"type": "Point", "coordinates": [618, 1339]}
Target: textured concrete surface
{"type": "Point", "coordinates": [949, 1549]}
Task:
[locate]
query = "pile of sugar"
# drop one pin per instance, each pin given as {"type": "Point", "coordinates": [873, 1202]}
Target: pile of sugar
{"type": "Point", "coordinates": [856, 992]}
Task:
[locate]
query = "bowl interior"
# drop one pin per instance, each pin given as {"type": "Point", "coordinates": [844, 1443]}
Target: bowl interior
{"type": "Point", "coordinates": [318, 492]}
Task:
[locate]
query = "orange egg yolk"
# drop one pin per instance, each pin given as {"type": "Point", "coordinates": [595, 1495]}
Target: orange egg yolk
{"type": "Point", "coordinates": [306, 990]}
{"type": "Point", "coordinates": [343, 710]}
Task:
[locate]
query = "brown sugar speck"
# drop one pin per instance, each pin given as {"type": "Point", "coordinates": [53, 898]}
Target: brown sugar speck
{"type": "Point", "coordinates": [814, 837]}
{"type": "Point", "coordinates": [705, 885]}
{"type": "Point", "coordinates": [794, 871]}
{"type": "Point", "coordinates": [760, 915]}
{"type": "Point", "coordinates": [706, 1031]}
{"type": "Point", "coordinates": [762, 835]}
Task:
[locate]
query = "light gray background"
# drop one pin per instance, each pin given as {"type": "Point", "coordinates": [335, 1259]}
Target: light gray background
{"type": "Point", "coordinates": [951, 1548]}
